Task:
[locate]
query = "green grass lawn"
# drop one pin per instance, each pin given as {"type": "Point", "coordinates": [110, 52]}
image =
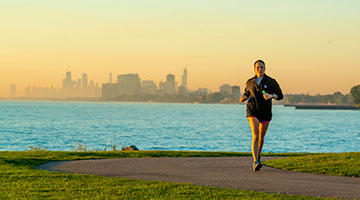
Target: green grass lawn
{"type": "Point", "coordinates": [20, 180]}
{"type": "Point", "coordinates": [339, 164]}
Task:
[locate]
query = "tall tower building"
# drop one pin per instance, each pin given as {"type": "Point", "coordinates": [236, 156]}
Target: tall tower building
{"type": "Point", "coordinates": [171, 85]}
{"type": "Point", "coordinates": [67, 87]}
{"type": "Point", "coordinates": [84, 81]}
{"type": "Point", "coordinates": [67, 82]}
{"type": "Point", "coordinates": [184, 79]}
{"type": "Point", "coordinates": [68, 75]}
{"type": "Point", "coordinates": [225, 89]}
{"type": "Point", "coordinates": [235, 92]}
{"type": "Point", "coordinates": [148, 87]}
{"type": "Point", "coordinates": [128, 84]}
{"type": "Point", "coordinates": [13, 91]}
{"type": "Point", "coordinates": [110, 78]}
{"type": "Point", "coordinates": [170, 78]}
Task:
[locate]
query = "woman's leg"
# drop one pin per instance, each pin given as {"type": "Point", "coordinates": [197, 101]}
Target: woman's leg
{"type": "Point", "coordinates": [254, 125]}
{"type": "Point", "coordinates": [263, 126]}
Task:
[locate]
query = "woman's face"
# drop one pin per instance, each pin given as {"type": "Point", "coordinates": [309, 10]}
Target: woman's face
{"type": "Point", "coordinates": [259, 69]}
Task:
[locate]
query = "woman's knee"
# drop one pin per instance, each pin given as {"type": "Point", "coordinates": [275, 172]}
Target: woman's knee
{"type": "Point", "coordinates": [255, 137]}
{"type": "Point", "coordinates": [261, 139]}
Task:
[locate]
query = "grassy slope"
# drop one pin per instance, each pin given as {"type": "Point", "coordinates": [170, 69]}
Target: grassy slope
{"type": "Point", "coordinates": [339, 164]}
{"type": "Point", "coordinates": [20, 180]}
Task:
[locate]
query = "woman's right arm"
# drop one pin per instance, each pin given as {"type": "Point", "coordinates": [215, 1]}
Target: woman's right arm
{"type": "Point", "coordinates": [245, 96]}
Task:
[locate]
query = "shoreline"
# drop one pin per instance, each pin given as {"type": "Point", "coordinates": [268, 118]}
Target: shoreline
{"type": "Point", "coordinates": [110, 101]}
{"type": "Point", "coordinates": [322, 107]}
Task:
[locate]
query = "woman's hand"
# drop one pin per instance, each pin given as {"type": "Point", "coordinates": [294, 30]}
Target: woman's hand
{"type": "Point", "coordinates": [267, 96]}
{"type": "Point", "coordinates": [243, 98]}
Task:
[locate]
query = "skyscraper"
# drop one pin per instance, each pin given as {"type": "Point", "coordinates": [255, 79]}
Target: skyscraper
{"type": "Point", "coordinates": [108, 91]}
{"type": "Point", "coordinates": [110, 78]}
{"type": "Point", "coordinates": [235, 92]}
{"type": "Point", "coordinates": [148, 87]}
{"type": "Point", "coordinates": [170, 80]}
{"type": "Point", "coordinates": [128, 84]}
{"type": "Point", "coordinates": [168, 86]}
{"type": "Point", "coordinates": [84, 81]}
{"type": "Point", "coordinates": [67, 82]}
{"type": "Point", "coordinates": [225, 89]}
{"type": "Point", "coordinates": [68, 75]}
{"type": "Point", "coordinates": [184, 79]}
{"type": "Point", "coordinates": [68, 86]}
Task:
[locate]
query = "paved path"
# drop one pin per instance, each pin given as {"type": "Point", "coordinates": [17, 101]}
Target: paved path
{"type": "Point", "coordinates": [227, 172]}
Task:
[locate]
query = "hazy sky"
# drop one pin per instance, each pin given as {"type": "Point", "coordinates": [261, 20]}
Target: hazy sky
{"type": "Point", "coordinates": [308, 46]}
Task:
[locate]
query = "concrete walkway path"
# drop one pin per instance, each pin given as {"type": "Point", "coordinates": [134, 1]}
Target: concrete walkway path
{"type": "Point", "coordinates": [227, 172]}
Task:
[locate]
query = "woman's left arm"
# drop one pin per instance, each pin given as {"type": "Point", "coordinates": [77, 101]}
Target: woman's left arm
{"type": "Point", "coordinates": [278, 95]}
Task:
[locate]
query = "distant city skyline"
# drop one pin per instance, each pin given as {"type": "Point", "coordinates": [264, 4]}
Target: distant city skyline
{"type": "Point", "coordinates": [126, 84]}
{"type": "Point", "coordinates": [308, 46]}
{"type": "Point", "coordinates": [59, 83]}
{"type": "Point", "coordinates": [33, 90]}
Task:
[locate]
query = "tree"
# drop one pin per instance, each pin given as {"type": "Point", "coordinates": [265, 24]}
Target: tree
{"type": "Point", "coordinates": [355, 93]}
{"type": "Point", "coordinates": [339, 98]}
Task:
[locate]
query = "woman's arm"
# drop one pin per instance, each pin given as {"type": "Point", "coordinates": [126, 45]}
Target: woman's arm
{"type": "Point", "coordinates": [245, 96]}
{"type": "Point", "coordinates": [278, 95]}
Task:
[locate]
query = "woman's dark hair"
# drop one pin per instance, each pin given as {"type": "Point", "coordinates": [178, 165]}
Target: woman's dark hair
{"type": "Point", "coordinates": [259, 61]}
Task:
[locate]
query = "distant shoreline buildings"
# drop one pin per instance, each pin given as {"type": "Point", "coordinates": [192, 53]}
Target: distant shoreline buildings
{"type": "Point", "coordinates": [70, 89]}
{"type": "Point", "coordinates": [79, 88]}
{"type": "Point", "coordinates": [130, 87]}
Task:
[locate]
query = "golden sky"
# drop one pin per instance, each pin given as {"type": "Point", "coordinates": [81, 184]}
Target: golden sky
{"type": "Point", "coordinates": [308, 46]}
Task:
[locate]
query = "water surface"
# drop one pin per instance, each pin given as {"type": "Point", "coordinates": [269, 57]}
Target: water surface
{"type": "Point", "coordinates": [150, 126]}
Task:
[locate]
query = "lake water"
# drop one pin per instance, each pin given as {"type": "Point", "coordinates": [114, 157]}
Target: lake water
{"type": "Point", "coordinates": [161, 126]}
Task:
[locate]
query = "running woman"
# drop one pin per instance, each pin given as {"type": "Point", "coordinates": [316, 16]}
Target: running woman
{"type": "Point", "coordinates": [259, 92]}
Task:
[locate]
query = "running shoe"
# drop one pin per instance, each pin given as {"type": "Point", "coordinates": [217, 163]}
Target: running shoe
{"type": "Point", "coordinates": [257, 165]}
{"type": "Point", "coordinates": [260, 162]}
{"type": "Point", "coordinates": [260, 165]}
